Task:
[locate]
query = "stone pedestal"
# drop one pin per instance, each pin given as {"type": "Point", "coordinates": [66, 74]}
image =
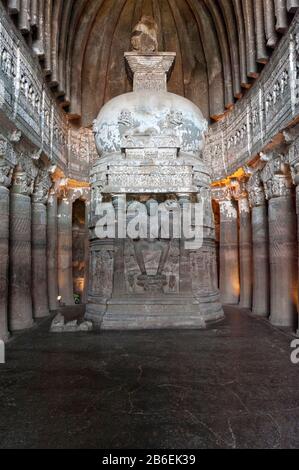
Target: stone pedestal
{"type": "Point", "coordinates": [39, 261]}
{"type": "Point", "coordinates": [20, 305]}
{"type": "Point", "coordinates": [52, 239]}
{"type": "Point", "coordinates": [283, 252]}
{"type": "Point", "coordinates": [229, 253]}
{"type": "Point", "coordinates": [260, 247]}
{"type": "Point", "coordinates": [65, 259]}
{"type": "Point", "coordinates": [4, 255]}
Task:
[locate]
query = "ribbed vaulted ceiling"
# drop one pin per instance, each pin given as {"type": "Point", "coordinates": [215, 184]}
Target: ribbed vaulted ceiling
{"type": "Point", "coordinates": [220, 45]}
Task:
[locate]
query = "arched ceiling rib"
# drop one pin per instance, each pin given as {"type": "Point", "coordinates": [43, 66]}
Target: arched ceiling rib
{"type": "Point", "coordinates": [221, 46]}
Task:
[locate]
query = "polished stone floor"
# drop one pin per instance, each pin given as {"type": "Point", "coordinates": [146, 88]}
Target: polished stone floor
{"type": "Point", "coordinates": [232, 386]}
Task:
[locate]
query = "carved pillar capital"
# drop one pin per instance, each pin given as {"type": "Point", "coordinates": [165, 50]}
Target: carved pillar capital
{"type": "Point", "coordinates": [295, 173]}
{"type": "Point", "coordinates": [240, 194]}
{"type": "Point", "coordinates": [221, 194]}
{"type": "Point", "coordinates": [52, 196]}
{"type": "Point", "coordinates": [62, 188]}
{"type": "Point", "coordinates": [5, 174]}
{"type": "Point", "coordinates": [256, 192]}
{"type": "Point", "coordinates": [22, 182]}
{"type": "Point", "coordinates": [278, 186]}
{"type": "Point", "coordinates": [42, 186]}
{"type": "Point", "coordinates": [276, 177]}
{"type": "Point", "coordinates": [7, 162]}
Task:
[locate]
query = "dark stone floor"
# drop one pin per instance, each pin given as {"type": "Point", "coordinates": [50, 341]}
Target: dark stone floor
{"type": "Point", "coordinates": [232, 386]}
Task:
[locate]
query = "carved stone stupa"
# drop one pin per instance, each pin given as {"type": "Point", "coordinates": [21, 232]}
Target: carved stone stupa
{"type": "Point", "coordinates": [151, 161]}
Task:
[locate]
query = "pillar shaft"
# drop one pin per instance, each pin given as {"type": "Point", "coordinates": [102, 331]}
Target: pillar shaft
{"type": "Point", "coordinates": [228, 253]}
{"type": "Point", "coordinates": [20, 262]}
{"type": "Point", "coordinates": [283, 253]}
{"type": "Point", "coordinates": [4, 255]}
{"type": "Point", "coordinates": [260, 246]}
{"type": "Point", "coordinates": [297, 211]}
{"type": "Point", "coordinates": [245, 246]}
{"type": "Point", "coordinates": [52, 239]}
{"type": "Point", "coordinates": [86, 255]}
{"type": "Point", "coordinates": [260, 256]}
{"type": "Point", "coordinates": [39, 261]}
{"type": "Point", "coordinates": [65, 253]}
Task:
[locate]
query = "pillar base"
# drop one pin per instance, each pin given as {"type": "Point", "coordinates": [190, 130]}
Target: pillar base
{"type": "Point", "coordinates": [245, 305]}
{"type": "Point", "coordinates": [259, 313]}
{"type": "Point", "coordinates": [6, 337]}
{"type": "Point", "coordinates": [21, 327]}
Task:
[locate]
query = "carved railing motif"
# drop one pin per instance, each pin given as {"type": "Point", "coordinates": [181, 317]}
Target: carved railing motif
{"type": "Point", "coordinates": [27, 104]}
{"type": "Point", "coordinates": [267, 109]}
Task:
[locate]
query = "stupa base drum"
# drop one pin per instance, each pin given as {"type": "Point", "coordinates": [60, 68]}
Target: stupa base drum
{"type": "Point", "coordinates": [167, 311]}
{"type": "Point", "coordinates": [151, 172]}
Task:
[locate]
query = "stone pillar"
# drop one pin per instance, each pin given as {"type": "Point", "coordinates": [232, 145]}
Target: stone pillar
{"type": "Point", "coordinates": [52, 239]}
{"type": "Point", "coordinates": [260, 247]}
{"type": "Point", "coordinates": [5, 180]}
{"type": "Point", "coordinates": [65, 252]}
{"type": "Point", "coordinates": [20, 304]}
{"type": "Point", "coordinates": [245, 244]}
{"type": "Point", "coordinates": [283, 250]}
{"type": "Point", "coordinates": [296, 181]}
{"type": "Point", "coordinates": [229, 281]}
{"type": "Point", "coordinates": [86, 253]}
{"type": "Point", "coordinates": [39, 246]}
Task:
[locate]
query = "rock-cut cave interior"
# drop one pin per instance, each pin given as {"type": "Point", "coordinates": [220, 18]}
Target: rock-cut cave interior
{"type": "Point", "coordinates": [149, 201]}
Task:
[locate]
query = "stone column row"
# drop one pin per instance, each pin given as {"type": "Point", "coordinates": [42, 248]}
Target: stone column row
{"type": "Point", "coordinates": [36, 262]}
{"type": "Point", "coordinates": [23, 248]}
{"type": "Point", "coordinates": [258, 243]}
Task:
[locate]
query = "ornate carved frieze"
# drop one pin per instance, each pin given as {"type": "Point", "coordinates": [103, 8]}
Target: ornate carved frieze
{"type": "Point", "coordinates": [26, 101]}
{"type": "Point", "coordinates": [268, 108]}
